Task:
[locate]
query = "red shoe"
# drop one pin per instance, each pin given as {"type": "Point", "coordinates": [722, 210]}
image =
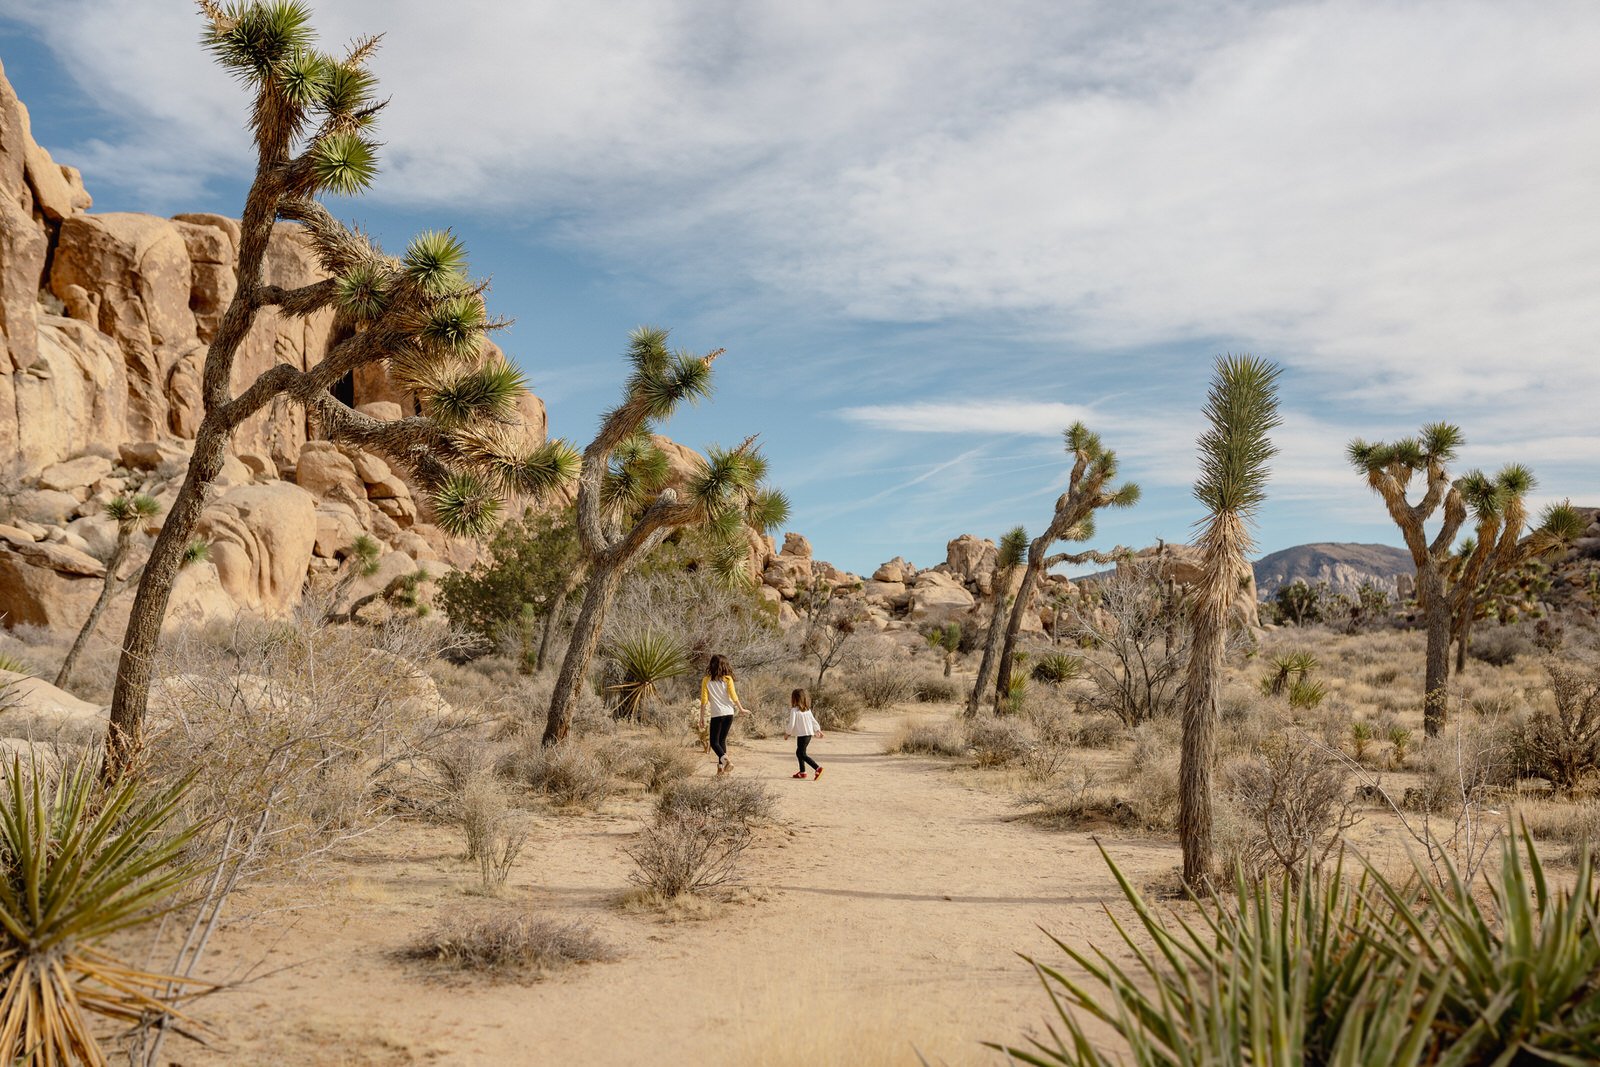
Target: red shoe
{"type": "Point", "coordinates": [798, 774]}
{"type": "Point", "coordinates": [818, 774]}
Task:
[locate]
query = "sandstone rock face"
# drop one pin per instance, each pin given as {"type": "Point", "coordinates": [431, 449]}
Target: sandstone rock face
{"type": "Point", "coordinates": [198, 597]}
{"type": "Point", "coordinates": [73, 474]}
{"type": "Point", "coordinates": [40, 700]}
{"type": "Point", "coordinates": [47, 584]}
{"type": "Point", "coordinates": [683, 463]}
{"type": "Point", "coordinates": [322, 470]}
{"type": "Point", "coordinates": [896, 570]}
{"type": "Point", "coordinates": [969, 557]}
{"type": "Point", "coordinates": [939, 598]}
{"type": "Point", "coordinates": [796, 545]}
{"type": "Point", "coordinates": [261, 542]}
{"type": "Point", "coordinates": [72, 396]}
{"type": "Point", "coordinates": [24, 248]}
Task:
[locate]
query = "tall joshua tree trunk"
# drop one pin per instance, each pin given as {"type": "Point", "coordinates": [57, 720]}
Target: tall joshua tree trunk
{"type": "Point", "coordinates": [1012, 548]}
{"type": "Point", "coordinates": [586, 629]}
{"type": "Point", "coordinates": [1242, 409]}
{"type": "Point", "coordinates": [552, 618]}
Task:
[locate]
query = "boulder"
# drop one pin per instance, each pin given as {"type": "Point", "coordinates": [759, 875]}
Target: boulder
{"type": "Point", "coordinates": [968, 557]}
{"type": "Point", "coordinates": [149, 455]}
{"type": "Point", "coordinates": [896, 570]}
{"type": "Point", "coordinates": [683, 463]}
{"type": "Point", "coordinates": [17, 534]}
{"type": "Point", "coordinates": [46, 705]}
{"type": "Point", "coordinates": [198, 598]}
{"type": "Point", "coordinates": [46, 584]}
{"type": "Point", "coordinates": [338, 526]}
{"type": "Point", "coordinates": [262, 538]}
{"type": "Point", "coordinates": [324, 471]}
{"type": "Point", "coordinates": [50, 507]}
{"type": "Point", "coordinates": [796, 545]}
{"type": "Point", "coordinates": [369, 468]}
{"type": "Point", "coordinates": [74, 474]}
{"type": "Point", "coordinates": [213, 251]}
{"type": "Point", "coordinates": [532, 424]}
{"type": "Point", "coordinates": [938, 598]}
{"type": "Point", "coordinates": [71, 397]}
{"type": "Point", "coordinates": [383, 410]}
{"type": "Point", "coordinates": [389, 487]}
{"type": "Point", "coordinates": [24, 250]}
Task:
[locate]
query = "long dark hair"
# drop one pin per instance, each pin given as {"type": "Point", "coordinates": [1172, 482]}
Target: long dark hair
{"type": "Point", "coordinates": [800, 699]}
{"type": "Point", "coordinates": [718, 668]}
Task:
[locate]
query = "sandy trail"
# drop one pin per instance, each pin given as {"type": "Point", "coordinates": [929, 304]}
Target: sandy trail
{"type": "Point", "coordinates": [881, 920]}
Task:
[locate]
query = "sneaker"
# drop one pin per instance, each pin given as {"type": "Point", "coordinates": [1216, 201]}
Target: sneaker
{"type": "Point", "coordinates": [798, 774]}
{"type": "Point", "coordinates": [818, 774]}
{"type": "Point", "coordinates": [727, 764]}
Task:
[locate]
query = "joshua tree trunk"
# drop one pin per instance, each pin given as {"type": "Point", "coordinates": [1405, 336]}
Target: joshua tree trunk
{"type": "Point", "coordinates": [1201, 682]}
{"type": "Point", "coordinates": [1463, 642]}
{"type": "Point", "coordinates": [552, 618]}
{"type": "Point", "coordinates": [1436, 682]}
{"type": "Point", "coordinates": [991, 644]}
{"type": "Point", "coordinates": [119, 553]}
{"type": "Point", "coordinates": [949, 662]}
{"type": "Point", "coordinates": [604, 578]}
{"type": "Point", "coordinates": [1019, 606]}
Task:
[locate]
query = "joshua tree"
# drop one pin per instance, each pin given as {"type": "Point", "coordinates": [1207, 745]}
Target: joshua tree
{"type": "Point", "coordinates": [626, 508]}
{"type": "Point", "coordinates": [1242, 409]}
{"type": "Point", "coordinates": [1498, 546]}
{"type": "Point", "coordinates": [947, 639]}
{"type": "Point", "coordinates": [129, 513]}
{"type": "Point", "coordinates": [1088, 490]}
{"type": "Point", "coordinates": [1013, 550]}
{"type": "Point", "coordinates": [313, 116]}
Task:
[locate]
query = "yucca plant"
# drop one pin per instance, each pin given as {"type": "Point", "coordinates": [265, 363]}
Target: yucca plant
{"type": "Point", "coordinates": [78, 864]}
{"type": "Point", "coordinates": [626, 506]}
{"type": "Point", "coordinates": [131, 513]}
{"type": "Point", "coordinates": [1235, 450]}
{"type": "Point", "coordinates": [1286, 667]}
{"type": "Point", "coordinates": [1013, 549]}
{"type": "Point", "coordinates": [1361, 737]}
{"type": "Point", "coordinates": [1089, 490]}
{"type": "Point", "coordinates": [419, 316]}
{"type": "Point", "coordinates": [1056, 668]}
{"type": "Point", "coordinates": [642, 662]}
{"type": "Point", "coordinates": [1306, 693]}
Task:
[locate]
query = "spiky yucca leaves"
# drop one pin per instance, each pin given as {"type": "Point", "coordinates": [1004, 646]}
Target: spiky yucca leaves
{"type": "Point", "coordinates": [1235, 451]}
{"type": "Point", "coordinates": [1285, 668]}
{"type": "Point", "coordinates": [627, 502]}
{"type": "Point", "coordinates": [419, 316]}
{"type": "Point", "coordinates": [642, 663]}
{"type": "Point", "coordinates": [1089, 489]}
{"type": "Point", "coordinates": [78, 865]}
{"type": "Point", "coordinates": [1012, 552]}
{"type": "Point", "coordinates": [1349, 974]}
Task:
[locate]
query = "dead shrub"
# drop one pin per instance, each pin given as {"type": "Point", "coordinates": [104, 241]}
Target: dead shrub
{"type": "Point", "coordinates": [997, 742]}
{"type": "Point", "coordinates": [687, 852]}
{"type": "Point", "coordinates": [1294, 803]}
{"type": "Point", "coordinates": [932, 689]}
{"type": "Point", "coordinates": [1101, 731]}
{"type": "Point", "coordinates": [837, 709]}
{"type": "Point", "coordinates": [1499, 646]}
{"type": "Point", "coordinates": [1562, 744]}
{"type": "Point", "coordinates": [883, 685]}
{"type": "Point", "coordinates": [741, 800]}
{"type": "Point", "coordinates": [507, 943]}
{"type": "Point", "coordinates": [1459, 769]}
{"type": "Point", "coordinates": [929, 739]}
{"type": "Point", "coordinates": [654, 763]}
{"type": "Point", "coordinates": [567, 774]}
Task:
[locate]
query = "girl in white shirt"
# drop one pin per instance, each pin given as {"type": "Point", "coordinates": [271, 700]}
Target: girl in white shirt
{"type": "Point", "coordinates": [803, 726]}
{"type": "Point", "coordinates": [718, 695]}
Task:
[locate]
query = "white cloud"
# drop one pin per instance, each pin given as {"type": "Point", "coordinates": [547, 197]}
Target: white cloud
{"type": "Point", "coordinates": [1034, 419]}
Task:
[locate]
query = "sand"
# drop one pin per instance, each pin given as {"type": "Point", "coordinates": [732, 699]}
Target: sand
{"type": "Point", "coordinates": [881, 918]}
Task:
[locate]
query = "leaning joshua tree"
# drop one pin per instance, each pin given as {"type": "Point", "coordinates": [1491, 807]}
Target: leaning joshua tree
{"type": "Point", "coordinates": [129, 513]}
{"type": "Point", "coordinates": [1013, 550]}
{"type": "Point", "coordinates": [626, 508]}
{"type": "Point", "coordinates": [1389, 470]}
{"type": "Point", "coordinates": [1242, 409]}
{"type": "Point", "coordinates": [1498, 547]}
{"type": "Point", "coordinates": [313, 116]}
{"type": "Point", "coordinates": [1088, 490]}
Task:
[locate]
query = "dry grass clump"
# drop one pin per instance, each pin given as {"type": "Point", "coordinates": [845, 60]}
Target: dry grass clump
{"type": "Point", "coordinates": [998, 742]}
{"type": "Point", "coordinates": [1465, 764]}
{"type": "Point", "coordinates": [1573, 825]}
{"type": "Point", "coordinates": [837, 709]}
{"type": "Point", "coordinates": [653, 762]}
{"type": "Point", "coordinates": [484, 811]}
{"type": "Point", "coordinates": [679, 854]}
{"type": "Point", "coordinates": [934, 689]}
{"type": "Point", "coordinates": [941, 738]}
{"type": "Point", "coordinates": [507, 943]}
{"type": "Point", "coordinates": [883, 685]}
{"type": "Point", "coordinates": [568, 775]}
{"type": "Point", "coordinates": [741, 800]}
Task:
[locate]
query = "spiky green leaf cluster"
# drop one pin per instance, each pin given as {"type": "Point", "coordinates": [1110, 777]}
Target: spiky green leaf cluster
{"type": "Point", "coordinates": [80, 865]}
{"type": "Point", "coordinates": [255, 40]}
{"type": "Point", "coordinates": [1562, 521]}
{"type": "Point", "coordinates": [1236, 448]}
{"type": "Point", "coordinates": [1489, 497]}
{"type": "Point", "coordinates": [343, 163]}
{"type": "Point", "coordinates": [436, 262]}
{"type": "Point", "coordinates": [466, 506]}
{"type": "Point", "coordinates": [641, 663]}
{"type": "Point", "coordinates": [662, 379]}
{"type": "Point", "coordinates": [637, 472]}
{"type": "Point", "coordinates": [1436, 445]}
{"type": "Point", "coordinates": [130, 510]}
{"type": "Point", "coordinates": [486, 393]}
{"type": "Point", "coordinates": [1013, 550]}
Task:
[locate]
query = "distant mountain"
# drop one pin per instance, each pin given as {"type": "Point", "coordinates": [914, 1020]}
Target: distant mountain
{"type": "Point", "coordinates": [1343, 566]}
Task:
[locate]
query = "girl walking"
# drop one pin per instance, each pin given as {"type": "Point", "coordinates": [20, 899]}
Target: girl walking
{"type": "Point", "coordinates": [718, 695]}
{"type": "Point", "coordinates": [803, 726]}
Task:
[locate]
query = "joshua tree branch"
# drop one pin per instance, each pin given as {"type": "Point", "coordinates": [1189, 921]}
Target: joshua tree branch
{"type": "Point", "coordinates": [298, 302]}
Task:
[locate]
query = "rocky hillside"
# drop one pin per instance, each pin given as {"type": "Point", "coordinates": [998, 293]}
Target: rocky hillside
{"type": "Point", "coordinates": [1343, 566]}
{"type": "Point", "coordinates": [104, 322]}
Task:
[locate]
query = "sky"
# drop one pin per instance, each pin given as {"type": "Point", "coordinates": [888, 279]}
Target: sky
{"type": "Point", "coordinates": [932, 234]}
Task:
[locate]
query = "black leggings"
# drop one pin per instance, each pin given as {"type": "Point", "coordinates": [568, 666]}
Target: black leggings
{"type": "Point", "coordinates": [720, 725]}
{"type": "Point", "coordinates": [800, 744]}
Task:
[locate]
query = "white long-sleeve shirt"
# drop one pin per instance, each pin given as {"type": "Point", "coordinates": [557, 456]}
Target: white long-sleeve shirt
{"type": "Point", "coordinates": [720, 695]}
{"type": "Point", "coordinates": [802, 723]}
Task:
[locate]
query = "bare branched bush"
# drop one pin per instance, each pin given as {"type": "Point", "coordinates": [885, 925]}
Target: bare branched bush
{"type": "Point", "coordinates": [708, 615]}
{"type": "Point", "coordinates": [655, 763]}
{"type": "Point", "coordinates": [1101, 731]}
{"type": "Point", "coordinates": [882, 685]}
{"type": "Point", "coordinates": [1295, 802]}
{"type": "Point", "coordinates": [836, 708]}
{"type": "Point", "coordinates": [933, 689]}
{"type": "Point", "coordinates": [1562, 743]}
{"type": "Point", "coordinates": [687, 853]}
{"type": "Point", "coordinates": [1142, 643]}
{"type": "Point", "coordinates": [569, 775]}
{"type": "Point", "coordinates": [507, 942]}
{"type": "Point", "coordinates": [740, 800]}
{"type": "Point", "coordinates": [945, 739]}
{"type": "Point", "coordinates": [998, 742]}
{"type": "Point", "coordinates": [480, 807]}
{"type": "Point", "coordinates": [302, 728]}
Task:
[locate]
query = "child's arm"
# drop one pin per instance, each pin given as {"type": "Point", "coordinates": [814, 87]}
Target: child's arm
{"type": "Point", "coordinates": [733, 695]}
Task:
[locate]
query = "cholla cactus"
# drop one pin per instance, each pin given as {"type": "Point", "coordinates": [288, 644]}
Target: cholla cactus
{"type": "Point", "coordinates": [313, 117]}
{"type": "Point", "coordinates": [1088, 491]}
{"type": "Point", "coordinates": [626, 508]}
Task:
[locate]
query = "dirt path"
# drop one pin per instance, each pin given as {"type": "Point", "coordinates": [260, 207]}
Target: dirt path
{"type": "Point", "coordinates": [887, 914]}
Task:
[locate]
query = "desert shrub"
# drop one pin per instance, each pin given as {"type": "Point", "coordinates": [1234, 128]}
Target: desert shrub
{"type": "Point", "coordinates": [836, 708]}
{"type": "Point", "coordinates": [480, 807]}
{"type": "Point", "coordinates": [16, 664]}
{"type": "Point", "coordinates": [302, 730]}
{"type": "Point", "coordinates": [1151, 786]}
{"type": "Point", "coordinates": [1361, 736]}
{"type": "Point", "coordinates": [934, 690]}
{"type": "Point", "coordinates": [1499, 646]}
{"type": "Point", "coordinates": [507, 942]}
{"type": "Point", "coordinates": [929, 739]}
{"type": "Point", "coordinates": [1560, 821]}
{"type": "Point", "coordinates": [687, 852]}
{"type": "Point", "coordinates": [882, 685]}
{"type": "Point", "coordinates": [1493, 705]}
{"type": "Point", "coordinates": [670, 592]}
{"type": "Point", "coordinates": [1142, 640]}
{"type": "Point", "coordinates": [1277, 974]}
{"type": "Point", "coordinates": [1306, 693]}
{"type": "Point", "coordinates": [1054, 668]}
{"type": "Point", "coordinates": [740, 800]}
{"type": "Point", "coordinates": [997, 742]}
{"type": "Point", "coordinates": [569, 775]}
{"type": "Point", "coordinates": [1399, 739]}
{"type": "Point", "coordinates": [1101, 731]}
{"type": "Point", "coordinates": [1461, 767]}
{"type": "Point", "coordinates": [654, 763]}
{"type": "Point", "coordinates": [527, 566]}
{"type": "Point", "coordinates": [1295, 803]}
{"type": "Point", "coordinates": [1562, 743]}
